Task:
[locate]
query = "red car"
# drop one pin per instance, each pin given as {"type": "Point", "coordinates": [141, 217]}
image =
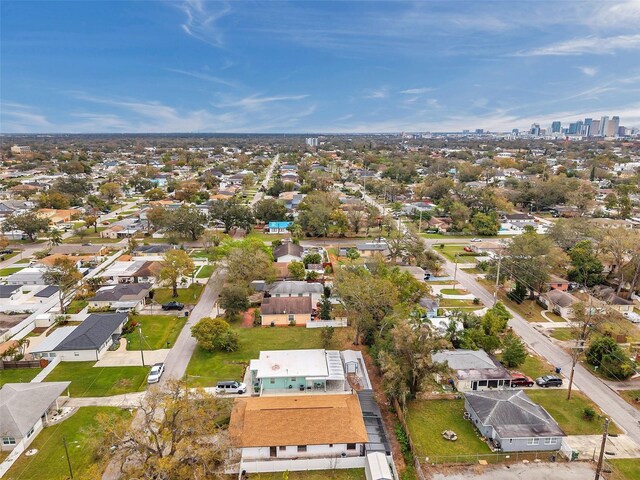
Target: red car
{"type": "Point", "coordinates": [520, 380]}
{"type": "Point", "coordinates": [468, 249]}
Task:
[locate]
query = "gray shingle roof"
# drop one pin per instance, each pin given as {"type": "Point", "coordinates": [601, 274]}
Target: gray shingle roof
{"type": "Point", "coordinates": [472, 364]}
{"type": "Point", "coordinates": [285, 305]}
{"type": "Point", "coordinates": [294, 288]}
{"type": "Point", "coordinates": [122, 291]}
{"type": "Point", "coordinates": [288, 249]}
{"type": "Point", "coordinates": [513, 414]}
{"type": "Point", "coordinates": [93, 332]}
{"type": "Point", "coordinates": [22, 404]}
{"type": "Point", "coordinates": [7, 290]}
{"type": "Point", "coordinates": [47, 292]}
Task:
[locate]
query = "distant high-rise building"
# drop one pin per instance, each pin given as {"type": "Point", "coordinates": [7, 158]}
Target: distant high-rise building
{"type": "Point", "coordinates": [622, 131]}
{"type": "Point", "coordinates": [595, 128]}
{"type": "Point", "coordinates": [465, 132]}
{"type": "Point", "coordinates": [556, 127]}
{"type": "Point", "coordinates": [312, 142]}
{"type": "Point", "coordinates": [515, 131]}
{"type": "Point", "coordinates": [479, 131]}
{"type": "Point", "coordinates": [587, 123]}
{"type": "Point", "coordinates": [584, 130]}
{"type": "Point", "coordinates": [604, 126]}
{"type": "Point", "coordinates": [575, 127]}
{"type": "Point", "coordinates": [612, 128]}
{"type": "Point", "coordinates": [535, 129]}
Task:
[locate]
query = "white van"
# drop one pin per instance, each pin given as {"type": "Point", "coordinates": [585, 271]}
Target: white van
{"type": "Point", "coordinates": [231, 387]}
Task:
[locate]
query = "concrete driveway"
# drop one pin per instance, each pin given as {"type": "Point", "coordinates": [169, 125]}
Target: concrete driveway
{"type": "Point", "coordinates": [621, 446]}
{"type": "Point", "coordinates": [132, 358]}
{"type": "Point", "coordinates": [530, 471]}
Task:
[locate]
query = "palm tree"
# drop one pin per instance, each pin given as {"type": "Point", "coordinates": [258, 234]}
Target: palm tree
{"type": "Point", "coordinates": [22, 345]}
{"type": "Point", "coordinates": [55, 238]}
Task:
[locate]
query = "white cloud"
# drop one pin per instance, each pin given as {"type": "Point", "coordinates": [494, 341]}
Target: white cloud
{"type": "Point", "coordinates": [416, 91]}
{"type": "Point", "coordinates": [588, 71]}
{"type": "Point", "coordinates": [376, 93]}
{"type": "Point", "coordinates": [201, 20]}
{"type": "Point", "coordinates": [204, 76]}
{"type": "Point", "coordinates": [586, 45]}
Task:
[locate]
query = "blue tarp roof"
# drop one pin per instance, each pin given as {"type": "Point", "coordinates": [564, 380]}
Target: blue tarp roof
{"type": "Point", "coordinates": [279, 224]}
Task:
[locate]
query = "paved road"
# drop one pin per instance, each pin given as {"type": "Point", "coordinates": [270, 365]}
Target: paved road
{"type": "Point", "coordinates": [627, 417]}
{"type": "Point", "coordinates": [265, 182]}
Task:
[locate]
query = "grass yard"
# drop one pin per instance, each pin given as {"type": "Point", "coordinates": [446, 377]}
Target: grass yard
{"type": "Point", "coordinates": [157, 330]}
{"type": "Point", "coordinates": [631, 396]}
{"type": "Point", "coordinates": [93, 238]}
{"type": "Point", "coordinates": [427, 419]}
{"type": "Point", "coordinates": [185, 295]}
{"type": "Point", "coordinates": [268, 237]}
{"type": "Point", "coordinates": [562, 334]}
{"type": "Point", "coordinates": [24, 260]}
{"type": "Point", "coordinates": [569, 413]}
{"type": "Point", "coordinates": [213, 367]}
{"type": "Point", "coordinates": [627, 468]}
{"type": "Point", "coordinates": [18, 375]}
{"type": "Point", "coordinates": [441, 282]}
{"type": "Point", "coordinates": [454, 303]}
{"type": "Point", "coordinates": [535, 367]}
{"type": "Point", "coordinates": [76, 306]}
{"type": "Point", "coordinates": [5, 272]}
{"type": "Point", "coordinates": [87, 381]}
{"type": "Point", "coordinates": [205, 272]}
{"type": "Point", "coordinates": [337, 474]}
{"type": "Point", "coordinates": [7, 256]}
{"type": "Point", "coordinates": [453, 291]}
{"type": "Point", "coordinates": [456, 253]}
{"type": "Point", "coordinates": [51, 461]}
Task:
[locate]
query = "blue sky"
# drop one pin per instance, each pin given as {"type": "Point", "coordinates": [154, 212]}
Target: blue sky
{"type": "Point", "coordinates": [272, 66]}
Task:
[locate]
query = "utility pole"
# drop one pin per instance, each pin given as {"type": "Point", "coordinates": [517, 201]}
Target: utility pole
{"type": "Point", "coordinates": [602, 447]}
{"type": "Point", "coordinates": [66, 451]}
{"type": "Point", "coordinates": [455, 271]}
{"type": "Point", "coordinates": [579, 346]}
{"type": "Point", "coordinates": [495, 292]}
{"type": "Point", "coordinates": [420, 224]}
{"type": "Point", "coordinates": [141, 351]}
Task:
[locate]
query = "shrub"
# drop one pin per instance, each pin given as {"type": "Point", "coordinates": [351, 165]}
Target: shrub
{"type": "Point", "coordinates": [589, 413]}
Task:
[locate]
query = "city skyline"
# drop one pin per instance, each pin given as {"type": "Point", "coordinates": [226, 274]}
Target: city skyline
{"type": "Point", "coordinates": [317, 67]}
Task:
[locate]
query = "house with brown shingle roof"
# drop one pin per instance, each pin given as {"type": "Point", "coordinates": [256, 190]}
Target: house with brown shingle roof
{"type": "Point", "coordinates": [283, 311]}
{"type": "Point", "coordinates": [298, 427]}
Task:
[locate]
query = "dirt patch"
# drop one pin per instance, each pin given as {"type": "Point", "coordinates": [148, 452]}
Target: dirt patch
{"type": "Point", "coordinates": [247, 318]}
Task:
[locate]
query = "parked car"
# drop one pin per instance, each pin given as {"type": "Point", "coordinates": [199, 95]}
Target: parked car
{"type": "Point", "coordinates": [521, 380]}
{"type": "Point", "coordinates": [6, 251]}
{"type": "Point", "coordinates": [173, 306]}
{"type": "Point", "coordinates": [476, 240]}
{"type": "Point", "coordinates": [231, 387]}
{"type": "Point", "coordinates": [549, 381]}
{"type": "Point", "coordinates": [156, 372]}
{"type": "Point", "coordinates": [467, 249]}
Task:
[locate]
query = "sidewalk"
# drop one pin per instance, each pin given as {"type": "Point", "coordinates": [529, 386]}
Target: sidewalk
{"type": "Point", "coordinates": [127, 400]}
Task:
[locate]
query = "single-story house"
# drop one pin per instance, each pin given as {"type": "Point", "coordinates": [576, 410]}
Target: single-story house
{"type": "Point", "coordinates": [369, 249]}
{"type": "Point", "coordinates": [286, 311]}
{"type": "Point", "coordinates": [151, 250]}
{"type": "Point", "coordinates": [293, 288]}
{"type": "Point", "coordinates": [558, 283]}
{"type": "Point", "coordinates": [512, 421]}
{"type": "Point", "coordinates": [559, 302]}
{"type": "Point", "coordinates": [86, 342]}
{"type": "Point", "coordinates": [95, 251]}
{"type": "Point", "coordinates": [608, 297]}
{"type": "Point", "coordinates": [122, 295]}
{"type": "Point", "coordinates": [298, 427]}
{"type": "Point", "coordinates": [297, 370]}
{"type": "Point", "coordinates": [27, 276]}
{"type": "Point", "coordinates": [118, 231]}
{"type": "Point", "coordinates": [288, 252]}
{"type": "Point", "coordinates": [473, 370]}
{"type": "Point", "coordinates": [24, 409]}
{"type": "Point", "coordinates": [58, 216]}
{"type": "Point", "coordinates": [278, 227]}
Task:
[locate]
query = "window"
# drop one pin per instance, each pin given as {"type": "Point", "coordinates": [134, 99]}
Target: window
{"type": "Point", "coordinates": [511, 440]}
{"type": "Point", "coordinates": [272, 381]}
{"type": "Point", "coordinates": [76, 354]}
{"type": "Point", "coordinates": [8, 441]}
{"type": "Point", "coordinates": [302, 448]}
{"type": "Point", "coordinates": [351, 446]}
{"type": "Point", "coordinates": [293, 379]}
{"type": "Point", "coordinates": [550, 441]}
{"type": "Point", "coordinates": [533, 441]}
{"type": "Point", "coordinates": [482, 383]}
{"type": "Point", "coordinates": [282, 448]}
{"type": "Point", "coordinates": [331, 445]}
{"type": "Point", "coordinates": [30, 432]}
{"type": "Point", "coordinates": [292, 318]}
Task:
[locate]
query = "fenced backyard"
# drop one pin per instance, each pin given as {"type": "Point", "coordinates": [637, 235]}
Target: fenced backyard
{"type": "Point", "coordinates": [492, 458]}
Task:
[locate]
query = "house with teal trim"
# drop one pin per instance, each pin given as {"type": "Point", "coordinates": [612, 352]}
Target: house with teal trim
{"type": "Point", "coordinates": [279, 372]}
{"type": "Point", "coordinates": [278, 227]}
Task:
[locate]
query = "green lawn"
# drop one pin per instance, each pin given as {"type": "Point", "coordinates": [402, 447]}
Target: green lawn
{"type": "Point", "coordinates": [454, 302]}
{"type": "Point", "coordinates": [50, 461]}
{"type": "Point", "coordinates": [185, 295]}
{"type": "Point", "coordinates": [337, 474]}
{"type": "Point", "coordinates": [427, 419]}
{"type": "Point", "coordinates": [453, 291]}
{"type": "Point", "coordinates": [213, 367]}
{"type": "Point", "coordinates": [76, 306]}
{"type": "Point", "coordinates": [569, 413]}
{"type": "Point", "coordinates": [268, 237]}
{"type": "Point", "coordinates": [5, 272]}
{"type": "Point", "coordinates": [205, 271]}
{"type": "Point", "coordinates": [24, 260]}
{"type": "Point", "coordinates": [563, 334]}
{"type": "Point", "coordinates": [157, 330]}
{"type": "Point", "coordinates": [94, 238]}
{"type": "Point", "coordinates": [631, 396]}
{"type": "Point", "coordinates": [456, 253]}
{"type": "Point", "coordinates": [87, 381]}
{"type": "Point", "coordinates": [625, 469]}
{"type": "Point", "coordinates": [535, 367]}
{"type": "Point", "coordinates": [18, 375]}
{"type": "Point", "coordinates": [7, 256]}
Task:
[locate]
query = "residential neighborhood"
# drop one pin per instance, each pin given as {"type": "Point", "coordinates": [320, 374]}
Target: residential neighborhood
{"type": "Point", "coordinates": [380, 307]}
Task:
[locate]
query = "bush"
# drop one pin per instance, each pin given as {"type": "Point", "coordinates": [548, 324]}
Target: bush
{"type": "Point", "coordinates": [214, 334]}
{"type": "Point", "coordinates": [589, 413]}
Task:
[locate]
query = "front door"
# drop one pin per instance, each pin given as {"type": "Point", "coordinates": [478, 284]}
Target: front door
{"type": "Point", "coordinates": [474, 386]}
{"type": "Point", "coordinates": [273, 452]}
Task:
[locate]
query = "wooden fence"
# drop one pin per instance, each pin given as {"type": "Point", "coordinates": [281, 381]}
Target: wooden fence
{"type": "Point", "coordinates": [11, 365]}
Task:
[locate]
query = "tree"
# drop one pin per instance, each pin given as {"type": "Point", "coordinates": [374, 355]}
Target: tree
{"type": "Point", "coordinates": [30, 223]}
{"type": "Point", "coordinates": [326, 337]}
{"type": "Point", "coordinates": [64, 274]}
{"type": "Point", "coordinates": [353, 254]}
{"type": "Point", "coordinates": [486, 223]}
{"type": "Point", "coordinates": [234, 298]}
{"type": "Point", "coordinates": [55, 238]}
{"type": "Point", "coordinates": [270, 210]}
{"type": "Point", "coordinates": [4, 242]}
{"type": "Point", "coordinates": [248, 261]}
{"type": "Point", "coordinates": [325, 308]}
{"type": "Point", "coordinates": [604, 352]}
{"type": "Point", "coordinates": [154, 194]}
{"type": "Point", "coordinates": [316, 212]}
{"type": "Point", "coordinates": [177, 437]}
{"type": "Point", "coordinates": [91, 221]}
{"type": "Point", "coordinates": [187, 221]}
{"type": "Point", "coordinates": [54, 199]}
{"type": "Point", "coordinates": [215, 335]}
{"type": "Point", "coordinates": [408, 361]}
{"type": "Point", "coordinates": [111, 191]}
{"type": "Point", "coordinates": [175, 264]}
{"type": "Point", "coordinates": [296, 270]}
{"type": "Point", "coordinates": [514, 353]}
{"type": "Point", "coordinates": [355, 216]}
{"type": "Point", "coordinates": [158, 216]}
{"type": "Point", "coordinates": [232, 214]}
{"type": "Point", "coordinates": [586, 269]}
{"type": "Point", "coordinates": [312, 258]}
